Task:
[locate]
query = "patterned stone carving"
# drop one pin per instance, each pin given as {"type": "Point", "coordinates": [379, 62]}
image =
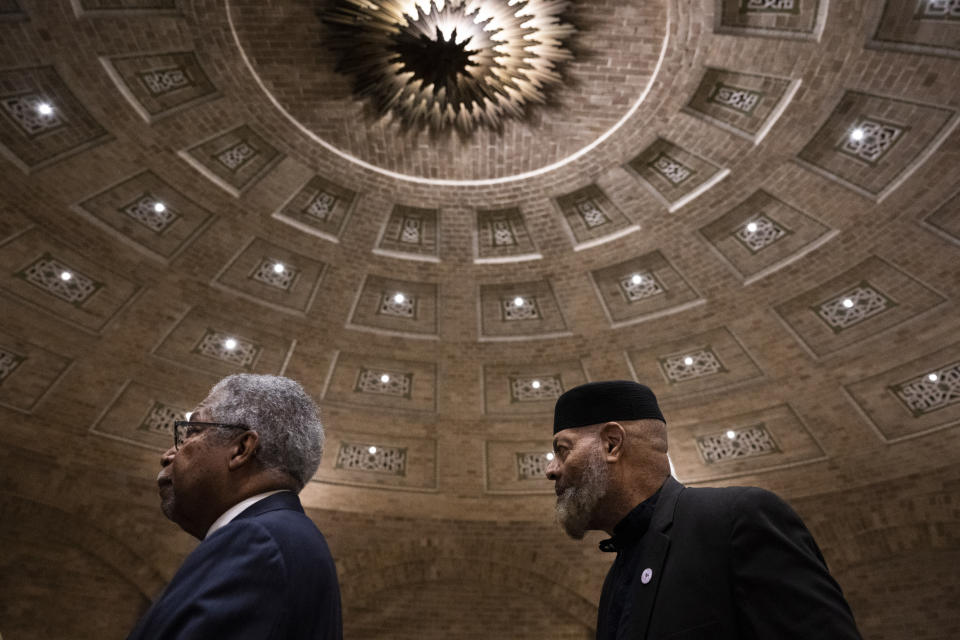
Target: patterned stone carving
{"type": "Point", "coordinates": [322, 206]}
{"type": "Point", "coordinates": [411, 230]}
{"type": "Point", "coordinates": [402, 307]}
{"type": "Point", "coordinates": [591, 213]}
{"type": "Point", "coordinates": [528, 309]}
{"type": "Point", "coordinates": [25, 111]}
{"type": "Point", "coordinates": [688, 366]}
{"type": "Point", "coordinates": [931, 391]}
{"type": "Point", "coordinates": [763, 233]}
{"type": "Point", "coordinates": [267, 273]}
{"type": "Point", "coordinates": [874, 139]}
{"type": "Point", "coordinates": [236, 156]}
{"type": "Point", "coordinates": [771, 6]}
{"type": "Point", "coordinates": [161, 81]}
{"type": "Point", "coordinates": [217, 345]}
{"type": "Point", "coordinates": [8, 362]}
{"type": "Point", "coordinates": [161, 417]}
{"type": "Point", "coordinates": [742, 100]}
{"type": "Point", "coordinates": [143, 211]}
{"type": "Point", "coordinates": [532, 465]}
{"type": "Point", "coordinates": [527, 389]}
{"type": "Point", "coordinates": [49, 274]}
{"type": "Point", "coordinates": [671, 169]}
{"type": "Point", "coordinates": [638, 286]}
{"type": "Point", "coordinates": [745, 443]}
{"type": "Point", "coordinates": [503, 234]}
{"type": "Point", "coordinates": [939, 10]}
{"type": "Point", "coordinates": [853, 307]}
{"type": "Point", "coordinates": [389, 383]}
{"type": "Point", "coordinates": [358, 457]}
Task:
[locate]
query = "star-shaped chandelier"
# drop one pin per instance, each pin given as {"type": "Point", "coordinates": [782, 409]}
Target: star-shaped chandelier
{"type": "Point", "coordinates": [450, 64]}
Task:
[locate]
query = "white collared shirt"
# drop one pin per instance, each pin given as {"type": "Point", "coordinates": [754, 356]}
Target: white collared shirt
{"type": "Point", "coordinates": [237, 509]}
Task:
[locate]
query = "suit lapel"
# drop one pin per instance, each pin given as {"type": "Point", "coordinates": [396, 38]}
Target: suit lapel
{"type": "Point", "coordinates": [655, 545]}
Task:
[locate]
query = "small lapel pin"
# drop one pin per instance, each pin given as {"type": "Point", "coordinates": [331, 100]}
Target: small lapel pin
{"type": "Point", "coordinates": [646, 575]}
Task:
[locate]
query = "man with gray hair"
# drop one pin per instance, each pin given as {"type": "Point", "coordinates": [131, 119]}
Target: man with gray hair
{"type": "Point", "coordinates": [231, 478]}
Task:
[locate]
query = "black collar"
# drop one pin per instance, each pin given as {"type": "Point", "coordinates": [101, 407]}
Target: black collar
{"type": "Point", "coordinates": [629, 530]}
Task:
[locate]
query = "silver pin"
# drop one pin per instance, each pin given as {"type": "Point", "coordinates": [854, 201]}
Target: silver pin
{"type": "Point", "coordinates": [646, 576]}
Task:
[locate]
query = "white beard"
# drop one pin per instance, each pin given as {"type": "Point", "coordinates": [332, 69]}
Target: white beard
{"type": "Point", "coordinates": [576, 505]}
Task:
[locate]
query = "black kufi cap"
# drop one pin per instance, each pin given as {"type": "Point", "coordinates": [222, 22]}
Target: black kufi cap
{"type": "Point", "coordinates": [611, 401]}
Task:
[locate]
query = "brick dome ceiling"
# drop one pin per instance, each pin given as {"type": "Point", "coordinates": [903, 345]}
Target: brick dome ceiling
{"type": "Point", "coordinates": [750, 205]}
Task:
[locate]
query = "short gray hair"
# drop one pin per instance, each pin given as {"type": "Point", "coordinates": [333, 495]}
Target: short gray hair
{"type": "Point", "coordinates": [285, 418]}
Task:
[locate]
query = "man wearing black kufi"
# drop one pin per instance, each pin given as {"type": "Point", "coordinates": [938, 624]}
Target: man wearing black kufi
{"type": "Point", "coordinates": [733, 562]}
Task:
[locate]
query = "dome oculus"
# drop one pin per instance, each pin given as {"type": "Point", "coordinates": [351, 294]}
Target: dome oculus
{"type": "Point", "coordinates": [450, 64]}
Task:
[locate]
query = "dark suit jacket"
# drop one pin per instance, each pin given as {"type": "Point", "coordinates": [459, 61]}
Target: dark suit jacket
{"type": "Point", "coordinates": [266, 574]}
{"type": "Point", "coordinates": [732, 563]}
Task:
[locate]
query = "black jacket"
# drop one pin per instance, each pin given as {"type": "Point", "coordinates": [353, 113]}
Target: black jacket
{"type": "Point", "coordinates": [724, 563]}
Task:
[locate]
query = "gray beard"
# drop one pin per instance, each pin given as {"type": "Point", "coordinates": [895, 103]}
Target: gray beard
{"type": "Point", "coordinates": [576, 505]}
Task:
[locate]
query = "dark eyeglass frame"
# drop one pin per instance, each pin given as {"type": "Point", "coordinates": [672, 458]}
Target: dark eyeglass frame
{"type": "Point", "coordinates": [178, 424]}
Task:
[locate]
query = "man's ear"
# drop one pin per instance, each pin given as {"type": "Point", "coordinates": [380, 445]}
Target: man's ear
{"type": "Point", "coordinates": [242, 450]}
{"type": "Point", "coordinates": [612, 437]}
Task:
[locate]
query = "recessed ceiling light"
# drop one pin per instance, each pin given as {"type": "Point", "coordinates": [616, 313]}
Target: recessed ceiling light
{"type": "Point", "coordinates": [847, 303]}
{"type": "Point", "coordinates": [535, 384]}
{"type": "Point", "coordinates": [399, 298]}
{"type": "Point", "coordinates": [230, 344]}
{"type": "Point", "coordinates": [688, 361]}
{"type": "Point", "coordinates": [372, 450]}
{"type": "Point", "coordinates": [933, 377]}
{"type": "Point", "coordinates": [857, 134]}
{"type": "Point", "coordinates": [550, 457]}
{"type": "Point", "coordinates": [385, 378]}
{"type": "Point", "coordinates": [751, 227]}
{"type": "Point", "coordinates": [159, 207]}
{"type": "Point", "coordinates": [636, 279]}
{"type": "Point", "coordinates": [66, 276]}
{"type": "Point", "coordinates": [279, 268]}
{"type": "Point", "coordinates": [731, 434]}
{"type": "Point", "coordinates": [518, 301]}
{"type": "Point", "coordinates": [45, 109]}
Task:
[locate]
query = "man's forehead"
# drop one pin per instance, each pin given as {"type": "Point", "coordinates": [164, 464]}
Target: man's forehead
{"type": "Point", "coordinates": [572, 434]}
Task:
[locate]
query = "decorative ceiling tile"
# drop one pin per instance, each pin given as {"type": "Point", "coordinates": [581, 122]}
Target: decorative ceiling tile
{"type": "Point", "coordinates": [697, 364]}
{"type": "Point", "coordinates": [775, 18]}
{"type": "Point", "coordinates": [592, 218]}
{"type": "Point", "coordinates": [411, 233]}
{"type": "Point", "coordinates": [501, 236]}
{"type": "Point", "coordinates": [41, 121]}
{"type": "Point", "coordinates": [756, 442]}
{"type": "Point", "coordinates": [920, 26]}
{"type": "Point", "coordinates": [518, 466]}
{"type": "Point", "coordinates": [763, 234]}
{"type": "Point", "coordinates": [913, 398]}
{"type": "Point", "coordinates": [320, 208]}
{"type": "Point", "coordinates": [675, 176]}
{"type": "Point", "coordinates": [871, 144]}
{"type": "Point", "coordinates": [392, 306]}
{"type": "Point", "coordinates": [273, 276]}
{"type": "Point", "coordinates": [160, 84]}
{"type": "Point", "coordinates": [945, 219]}
{"type": "Point", "coordinates": [147, 211]}
{"type": "Point", "coordinates": [62, 282]}
{"type": "Point", "coordinates": [528, 388]}
{"type": "Point", "coordinates": [379, 460]}
{"type": "Point", "coordinates": [27, 372]}
{"type": "Point", "coordinates": [643, 288]}
{"type": "Point", "coordinates": [860, 303]}
{"type": "Point", "coordinates": [223, 345]}
{"type": "Point", "coordinates": [234, 160]}
{"type": "Point", "coordinates": [11, 10]}
{"type": "Point", "coordinates": [520, 311]}
{"type": "Point", "coordinates": [382, 382]}
{"type": "Point", "coordinates": [743, 103]}
{"type": "Point", "coordinates": [143, 415]}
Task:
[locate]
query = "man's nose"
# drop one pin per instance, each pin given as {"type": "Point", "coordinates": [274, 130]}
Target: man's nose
{"type": "Point", "coordinates": [168, 456]}
{"type": "Point", "coordinates": [552, 470]}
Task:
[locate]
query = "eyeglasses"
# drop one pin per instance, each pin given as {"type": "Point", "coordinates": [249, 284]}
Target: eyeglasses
{"type": "Point", "coordinates": [183, 429]}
